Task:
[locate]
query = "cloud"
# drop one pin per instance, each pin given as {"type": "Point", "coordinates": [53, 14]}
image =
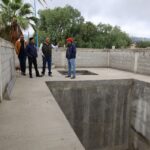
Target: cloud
{"type": "Point", "coordinates": [131, 15]}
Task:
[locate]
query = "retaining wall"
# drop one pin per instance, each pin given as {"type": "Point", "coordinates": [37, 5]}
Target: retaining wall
{"type": "Point", "coordinates": [137, 60]}
{"type": "Point", "coordinates": [7, 68]}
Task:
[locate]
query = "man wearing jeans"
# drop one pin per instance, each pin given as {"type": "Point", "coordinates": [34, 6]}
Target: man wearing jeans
{"type": "Point", "coordinates": [47, 55]}
{"type": "Point", "coordinates": [71, 56]}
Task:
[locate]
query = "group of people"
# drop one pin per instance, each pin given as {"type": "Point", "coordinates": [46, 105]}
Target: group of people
{"type": "Point", "coordinates": [28, 50]}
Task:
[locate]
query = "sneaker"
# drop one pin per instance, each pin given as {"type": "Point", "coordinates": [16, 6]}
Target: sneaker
{"type": "Point", "coordinates": [73, 77]}
{"type": "Point", "coordinates": [31, 76]}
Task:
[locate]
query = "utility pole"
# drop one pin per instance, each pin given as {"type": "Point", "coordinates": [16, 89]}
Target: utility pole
{"type": "Point", "coordinates": [37, 45]}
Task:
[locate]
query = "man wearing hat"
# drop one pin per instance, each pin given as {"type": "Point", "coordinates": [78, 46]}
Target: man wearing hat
{"type": "Point", "coordinates": [71, 56]}
{"type": "Point", "coordinates": [32, 55]}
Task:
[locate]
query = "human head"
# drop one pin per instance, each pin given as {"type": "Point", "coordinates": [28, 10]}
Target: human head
{"type": "Point", "coordinates": [70, 40]}
{"type": "Point", "coordinates": [31, 40]}
{"type": "Point", "coordinates": [47, 40]}
{"type": "Point", "coordinates": [21, 37]}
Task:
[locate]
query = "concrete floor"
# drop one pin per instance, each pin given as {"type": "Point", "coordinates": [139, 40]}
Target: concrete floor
{"type": "Point", "coordinates": [32, 120]}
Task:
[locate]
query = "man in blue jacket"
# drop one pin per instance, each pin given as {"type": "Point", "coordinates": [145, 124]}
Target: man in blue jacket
{"type": "Point", "coordinates": [32, 55]}
{"type": "Point", "coordinates": [71, 56]}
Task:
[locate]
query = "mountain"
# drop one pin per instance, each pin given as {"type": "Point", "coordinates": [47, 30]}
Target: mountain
{"type": "Point", "coordinates": [138, 39]}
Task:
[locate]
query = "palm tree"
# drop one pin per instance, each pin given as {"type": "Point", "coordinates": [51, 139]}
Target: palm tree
{"type": "Point", "coordinates": [14, 16]}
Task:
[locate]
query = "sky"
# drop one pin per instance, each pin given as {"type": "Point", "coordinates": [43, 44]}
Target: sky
{"type": "Point", "coordinates": [133, 16]}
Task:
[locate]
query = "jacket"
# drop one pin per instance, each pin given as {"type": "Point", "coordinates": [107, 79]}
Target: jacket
{"type": "Point", "coordinates": [47, 50]}
{"type": "Point", "coordinates": [71, 51]}
{"type": "Point", "coordinates": [18, 46]}
{"type": "Point", "coordinates": [31, 50]}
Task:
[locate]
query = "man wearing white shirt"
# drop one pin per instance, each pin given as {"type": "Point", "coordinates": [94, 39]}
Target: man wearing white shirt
{"type": "Point", "coordinates": [47, 55]}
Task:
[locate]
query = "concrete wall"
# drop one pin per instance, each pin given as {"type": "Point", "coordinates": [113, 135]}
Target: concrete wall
{"type": "Point", "coordinates": [121, 59]}
{"type": "Point", "coordinates": [7, 67]}
{"type": "Point", "coordinates": [133, 60]}
{"type": "Point", "coordinates": [137, 60]}
{"type": "Point", "coordinates": [106, 115]}
{"type": "Point", "coordinates": [85, 58]}
{"type": "Point", "coordinates": [140, 116]}
{"type": "Point", "coordinates": [98, 111]}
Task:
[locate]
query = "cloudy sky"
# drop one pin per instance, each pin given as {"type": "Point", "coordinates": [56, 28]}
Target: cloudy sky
{"type": "Point", "coordinates": [133, 16]}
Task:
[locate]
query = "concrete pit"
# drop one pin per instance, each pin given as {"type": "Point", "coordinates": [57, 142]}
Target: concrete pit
{"type": "Point", "coordinates": [104, 114]}
{"type": "Point", "coordinates": [78, 72]}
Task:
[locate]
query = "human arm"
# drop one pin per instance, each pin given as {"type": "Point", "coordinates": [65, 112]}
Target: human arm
{"type": "Point", "coordinates": [54, 47]}
{"type": "Point", "coordinates": [28, 51]}
{"type": "Point", "coordinates": [40, 48]}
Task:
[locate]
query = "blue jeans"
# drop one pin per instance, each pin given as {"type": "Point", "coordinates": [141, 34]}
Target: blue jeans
{"type": "Point", "coordinates": [49, 61]}
{"type": "Point", "coordinates": [71, 67]}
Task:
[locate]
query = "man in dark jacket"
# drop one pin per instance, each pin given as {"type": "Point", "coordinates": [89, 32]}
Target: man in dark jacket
{"type": "Point", "coordinates": [47, 55]}
{"type": "Point", "coordinates": [31, 52]}
{"type": "Point", "coordinates": [20, 47]}
{"type": "Point", "coordinates": [71, 56]}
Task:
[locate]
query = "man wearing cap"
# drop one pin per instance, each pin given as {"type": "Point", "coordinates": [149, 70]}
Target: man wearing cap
{"type": "Point", "coordinates": [32, 55]}
{"type": "Point", "coordinates": [20, 47]}
{"type": "Point", "coordinates": [71, 56]}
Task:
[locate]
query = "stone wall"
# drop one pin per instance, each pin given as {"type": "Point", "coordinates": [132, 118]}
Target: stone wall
{"type": "Point", "coordinates": [7, 67]}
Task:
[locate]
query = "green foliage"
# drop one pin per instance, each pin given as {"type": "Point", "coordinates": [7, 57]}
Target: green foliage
{"type": "Point", "coordinates": [143, 44]}
{"type": "Point", "coordinates": [17, 10]}
{"type": "Point", "coordinates": [60, 23]}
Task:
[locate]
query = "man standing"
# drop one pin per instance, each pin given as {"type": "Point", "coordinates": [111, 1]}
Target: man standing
{"type": "Point", "coordinates": [32, 55]}
{"type": "Point", "coordinates": [71, 56]}
{"type": "Point", "coordinates": [47, 55]}
{"type": "Point", "coordinates": [20, 47]}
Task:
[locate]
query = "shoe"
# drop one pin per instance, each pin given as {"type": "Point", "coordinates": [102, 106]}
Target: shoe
{"type": "Point", "coordinates": [67, 76]}
{"type": "Point", "coordinates": [42, 73]}
{"type": "Point", "coordinates": [38, 75]}
{"type": "Point", "coordinates": [73, 77]}
{"type": "Point", "coordinates": [22, 73]}
{"type": "Point", "coordinates": [31, 76]}
{"type": "Point", "coordinates": [50, 74]}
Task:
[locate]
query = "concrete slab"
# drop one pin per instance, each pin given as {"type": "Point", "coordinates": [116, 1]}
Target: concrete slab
{"type": "Point", "coordinates": [32, 120]}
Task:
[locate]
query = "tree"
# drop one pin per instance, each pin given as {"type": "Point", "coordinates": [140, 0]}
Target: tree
{"type": "Point", "coordinates": [15, 15]}
{"type": "Point", "coordinates": [143, 44]}
{"type": "Point", "coordinates": [60, 23]}
{"type": "Point", "coordinates": [119, 39]}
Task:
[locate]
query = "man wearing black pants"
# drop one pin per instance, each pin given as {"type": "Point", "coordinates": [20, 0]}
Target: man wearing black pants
{"type": "Point", "coordinates": [20, 46]}
{"type": "Point", "coordinates": [32, 55]}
